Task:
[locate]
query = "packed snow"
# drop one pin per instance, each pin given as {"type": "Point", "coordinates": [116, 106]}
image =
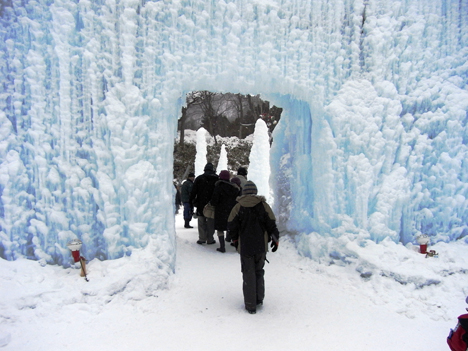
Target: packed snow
{"type": "Point", "coordinates": [399, 300]}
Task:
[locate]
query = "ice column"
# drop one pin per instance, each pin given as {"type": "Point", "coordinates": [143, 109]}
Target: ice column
{"type": "Point", "coordinates": [200, 157]}
{"type": "Point", "coordinates": [259, 160]}
{"type": "Point", "coordinates": [223, 161]}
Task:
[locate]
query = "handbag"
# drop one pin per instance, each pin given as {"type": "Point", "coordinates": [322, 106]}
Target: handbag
{"type": "Point", "coordinates": [209, 210]}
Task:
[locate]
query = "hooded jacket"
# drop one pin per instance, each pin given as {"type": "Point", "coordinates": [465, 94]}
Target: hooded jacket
{"type": "Point", "coordinates": [253, 224]}
{"type": "Point", "coordinates": [186, 190]}
{"type": "Point", "coordinates": [243, 179]}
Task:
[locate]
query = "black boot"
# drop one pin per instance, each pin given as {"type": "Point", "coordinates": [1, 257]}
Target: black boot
{"type": "Point", "coordinates": [222, 247]}
{"type": "Point", "coordinates": [187, 224]}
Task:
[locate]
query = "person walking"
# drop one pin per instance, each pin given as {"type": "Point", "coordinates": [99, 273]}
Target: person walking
{"type": "Point", "coordinates": [185, 196]}
{"type": "Point", "coordinates": [236, 181]}
{"type": "Point", "coordinates": [242, 175]}
{"type": "Point", "coordinates": [223, 200]}
{"type": "Point", "coordinates": [178, 200]}
{"type": "Point", "coordinates": [252, 225]}
{"type": "Point", "coordinates": [202, 190]}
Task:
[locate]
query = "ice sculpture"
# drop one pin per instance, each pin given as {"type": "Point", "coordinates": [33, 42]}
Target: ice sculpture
{"type": "Point", "coordinates": [259, 160]}
{"type": "Point", "coordinates": [373, 142]}
{"type": "Point", "coordinates": [200, 156]}
{"type": "Point", "coordinates": [223, 160]}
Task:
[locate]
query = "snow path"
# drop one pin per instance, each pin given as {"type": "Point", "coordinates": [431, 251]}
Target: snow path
{"type": "Point", "coordinates": [307, 307]}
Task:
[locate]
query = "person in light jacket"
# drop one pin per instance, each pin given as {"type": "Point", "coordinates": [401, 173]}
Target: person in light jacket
{"type": "Point", "coordinates": [252, 225]}
{"type": "Point", "coordinates": [242, 175]}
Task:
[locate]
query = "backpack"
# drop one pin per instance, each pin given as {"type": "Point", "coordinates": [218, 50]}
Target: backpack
{"type": "Point", "coordinates": [258, 210]}
{"type": "Point", "coordinates": [249, 217]}
{"type": "Point", "coordinates": [458, 337]}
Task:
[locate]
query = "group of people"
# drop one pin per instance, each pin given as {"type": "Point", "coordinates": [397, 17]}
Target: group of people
{"type": "Point", "coordinates": [239, 211]}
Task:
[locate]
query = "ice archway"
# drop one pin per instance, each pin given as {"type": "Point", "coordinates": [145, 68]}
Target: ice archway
{"type": "Point", "coordinates": [372, 143]}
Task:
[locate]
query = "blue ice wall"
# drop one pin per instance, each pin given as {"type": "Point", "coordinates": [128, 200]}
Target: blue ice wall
{"type": "Point", "coordinates": [372, 143]}
{"type": "Point", "coordinates": [384, 154]}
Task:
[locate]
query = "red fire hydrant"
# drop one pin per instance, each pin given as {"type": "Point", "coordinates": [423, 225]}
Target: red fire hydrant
{"type": "Point", "coordinates": [75, 246]}
{"type": "Point", "coordinates": [423, 240]}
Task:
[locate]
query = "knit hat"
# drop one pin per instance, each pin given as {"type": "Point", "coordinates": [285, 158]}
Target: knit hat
{"type": "Point", "coordinates": [236, 181]}
{"type": "Point", "coordinates": [208, 167]}
{"type": "Point", "coordinates": [249, 188]}
{"type": "Point", "coordinates": [191, 175]}
{"type": "Point", "coordinates": [242, 171]}
{"type": "Point", "coordinates": [224, 175]}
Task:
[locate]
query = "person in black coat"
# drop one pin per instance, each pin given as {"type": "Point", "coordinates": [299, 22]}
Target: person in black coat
{"type": "Point", "coordinates": [178, 201]}
{"type": "Point", "coordinates": [202, 191]}
{"type": "Point", "coordinates": [223, 199]}
{"type": "Point", "coordinates": [185, 196]}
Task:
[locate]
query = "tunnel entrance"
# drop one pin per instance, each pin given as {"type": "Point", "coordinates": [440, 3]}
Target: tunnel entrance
{"type": "Point", "coordinates": [229, 120]}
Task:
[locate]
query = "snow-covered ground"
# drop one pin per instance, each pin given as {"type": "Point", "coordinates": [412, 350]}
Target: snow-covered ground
{"type": "Point", "coordinates": [408, 303]}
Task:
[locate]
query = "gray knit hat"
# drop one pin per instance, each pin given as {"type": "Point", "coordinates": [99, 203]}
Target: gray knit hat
{"type": "Point", "coordinates": [249, 188]}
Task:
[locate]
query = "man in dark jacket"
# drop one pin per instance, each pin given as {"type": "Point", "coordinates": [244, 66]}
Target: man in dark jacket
{"type": "Point", "coordinates": [252, 225]}
{"type": "Point", "coordinates": [185, 196]}
{"type": "Point", "coordinates": [201, 194]}
{"type": "Point", "coordinates": [178, 200]}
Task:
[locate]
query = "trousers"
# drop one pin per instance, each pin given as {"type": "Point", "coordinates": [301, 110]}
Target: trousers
{"type": "Point", "coordinates": [188, 211]}
{"type": "Point", "coordinates": [206, 229]}
{"type": "Point", "coordinates": [253, 285]}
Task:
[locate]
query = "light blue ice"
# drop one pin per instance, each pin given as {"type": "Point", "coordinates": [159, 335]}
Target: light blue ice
{"type": "Point", "coordinates": [372, 143]}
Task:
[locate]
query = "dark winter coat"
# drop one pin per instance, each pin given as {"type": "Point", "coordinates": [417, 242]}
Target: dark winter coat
{"type": "Point", "coordinates": [253, 224]}
{"type": "Point", "coordinates": [202, 190]}
{"type": "Point", "coordinates": [178, 201]}
{"type": "Point", "coordinates": [186, 190]}
{"type": "Point", "coordinates": [223, 199]}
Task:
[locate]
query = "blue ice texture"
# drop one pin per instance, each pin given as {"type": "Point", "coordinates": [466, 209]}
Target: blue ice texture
{"type": "Point", "coordinates": [372, 144]}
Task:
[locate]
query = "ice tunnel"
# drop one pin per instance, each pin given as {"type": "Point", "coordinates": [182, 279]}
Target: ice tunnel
{"type": "Point", "coordinates": [372, 143]}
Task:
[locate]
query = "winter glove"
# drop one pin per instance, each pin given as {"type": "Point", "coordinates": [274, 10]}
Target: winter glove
{"type": "Point", "coordinates": [274, 245]}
